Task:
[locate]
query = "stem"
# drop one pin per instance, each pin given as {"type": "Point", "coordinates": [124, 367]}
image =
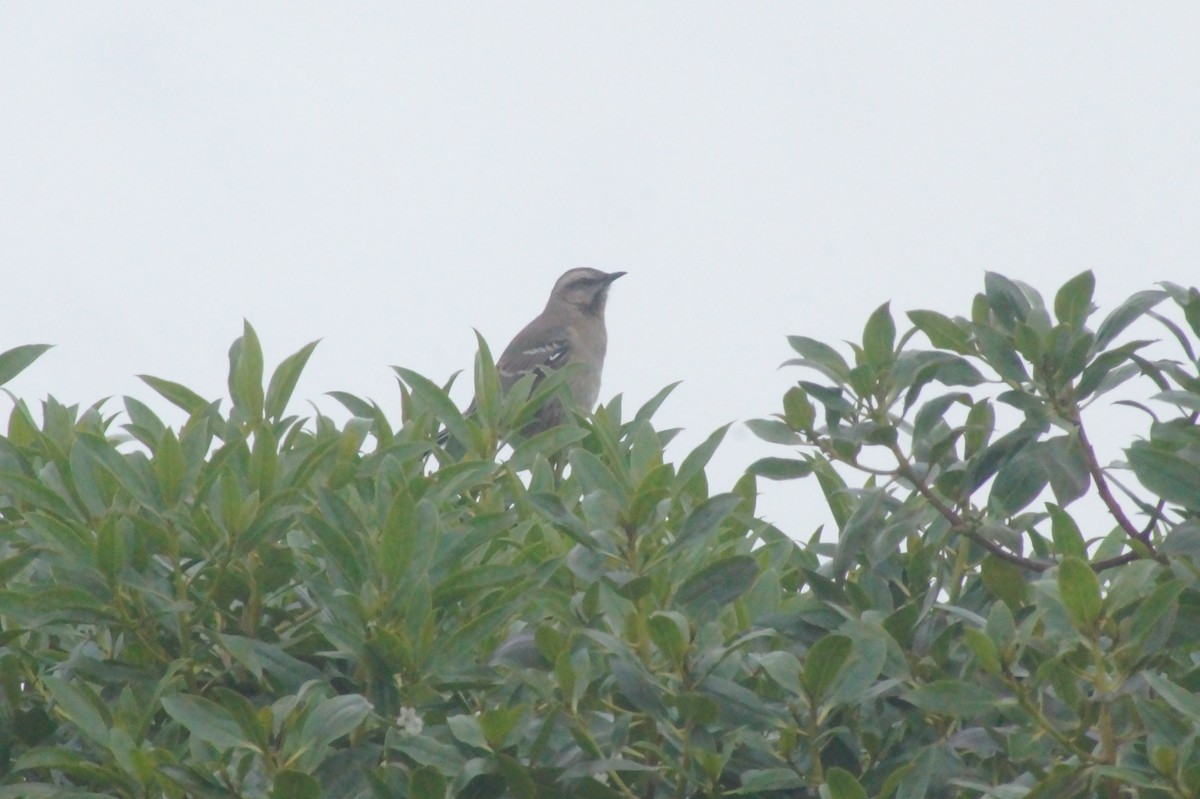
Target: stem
{"type": "Point", "coordinates": [1110, 501]}
{"type": "Point", "coordinates": [1047, 726]}
{"type": "Point", "coordinates": [957, 522]}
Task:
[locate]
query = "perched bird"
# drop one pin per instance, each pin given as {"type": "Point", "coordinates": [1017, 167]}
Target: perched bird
{"type": "Point", "coordinates": [569, 330]}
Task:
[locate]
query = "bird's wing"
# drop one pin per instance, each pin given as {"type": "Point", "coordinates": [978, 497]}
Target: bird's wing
{"type": "Point", "coordinates": [537, 352]}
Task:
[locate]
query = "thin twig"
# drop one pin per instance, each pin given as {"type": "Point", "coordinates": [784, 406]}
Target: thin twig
{"type": "Point", "coordinates": [1110, 502]}
{"type": "Point", "coordinates": [957, 522]}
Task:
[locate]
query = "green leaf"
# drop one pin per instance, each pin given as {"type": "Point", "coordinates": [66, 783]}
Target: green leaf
{"type": "Point", "coordinates": [798, 410]}
{"type": "Point", "coordinates": [1073, 302]}
{"type": "Point", "coordinates": [780, 468]}
{"type": "Point", "coordinates": [1079, 589]}
{"type": "Point", "coordinates": [292, 784]}
{"type": "Point", "coordinates": [648, 410]}
{"type": "Point", "coordinates": [246, 373]}
{"type": "Point", "coordinates": [953, 698]}
{"type": "Point", "coordinates": [942, 331]}
{"type": "Point", "coordinates": [999, 452]}
{"type": "Point", "coordinates": [774, 431]}
{"type": "Point", "coordinates": [1006, 299]}
{"type": "Point", "coordinates": [546, 443]}
{"type": "Point", "coordinates": [706, 518]}
{"type": "Point", "coordinates": [263, 657]}
{"type": "Point", "coordinates": [1067, 538]}
{"type": "Point", "coordinates": [466, 640]}
{"type": "Point", "coordinates": [82, 707]}
{"type": "Point", "coordinates": [698, 458]}
{"type": "Point", "coordinates": [932, 413]}
{"type": "Point", "coordinates": [551, 507]}
{"type": "Point", "coordinates": [356, 405]}
{"type": "Point", "coordinates": [498, 723]}
{"type": "Point", "coordinates": [1166, 474]}
{"type": "Point", "coordinates": [669, 632]}
{"type": "Point", "coordinates": [466, 728]}
{"type": "Point", "coordinates": [427, 751]}
{"type": "Point", "coordinates": [983, 648]}
{"type": "Point", "coordinates": [283, 381]}
{"type": "Point", "coordinates": [821, 354]}
{"type": "Point", "coordinates": [517, 777]}
{"type": "Point", "coordinates": [434, 398]}
{"type": "Point", "coordinates": [1065, 465]}
{"type": "Point", "coordinates": [879, 337]}
{"type": "Point", "coordinates": [178, 395]}
{"type": "Point", "coordinates": [1162, 604]}
{"type": "Point", "coordinates": [487, 381]}
{"type": "Point", "coordinates": [119, 466]}
{"type": "Point", "coordinates": [981, 423]}
{"type": "Point", "coordinates": [596, 476]}
{"type": "Point", "coordinates": [719, 583]}
{"type": "Point", "coordinates": [169, 467]}
{"type": "Point", "coordinates": [333, 718]}
{"type": "Point", "coordinates": [1183, 399]}
{"type": "Point", "coordinates": [856, 533]}
{"type": "Point", "coordinates": [696, 707]}
{"type": "Point", "coordinates": [110, 551]}
{"type": "Point", "coordinates": [837, 494]}
{"type": "Point", "coordinates": [1004, 579]}
{"type": "Point", "coordinates": [1000, 354]}
{"type": "Point", "coordinates": [758, 781]}
{"type": "Point", "coordinates": [784, 668]}
{"type": "Point", "coordinates": [1126, 314]}
{"type": "Point", "coordinates": [1106, 372]}
{"type": "Point", "coordinates": [822, 664]}
{"type": "Point", "coordinates": [206, 720]}
{"type": "Point", "coordinates": [843, 785]}
{"type": "Point", "coordinates": [401, 538]}
{"type": "Point", "coordinates": [1179, 698]}
{"type": "Point", "coordinates": [1019, 482]}
{"type": "Point", "coordinates": [247, 718]}
{"type": "Point", "coordinates": [425, 781]}
{"type": "Point", "coordinates": [14, 361]}
{"type": "Point", "coordinates": [637, 685]}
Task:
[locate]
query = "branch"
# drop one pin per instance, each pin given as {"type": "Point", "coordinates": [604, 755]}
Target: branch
{"type": "Point", "coordinates": [1110, 502]}
{"type": "Point", "coordinates": [957, 522]}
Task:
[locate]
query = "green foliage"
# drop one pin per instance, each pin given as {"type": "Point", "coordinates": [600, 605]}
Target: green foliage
{"type": "Point", "coordinates": [1040, 658]}
{"type": "Point", "coordinates": [252, 604]}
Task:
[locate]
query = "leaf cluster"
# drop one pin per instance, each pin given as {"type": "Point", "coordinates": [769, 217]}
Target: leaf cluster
{"type": "Point", "coordinates": [1053, 650]}
{"type": "Point", "coordinates": [255, 604]}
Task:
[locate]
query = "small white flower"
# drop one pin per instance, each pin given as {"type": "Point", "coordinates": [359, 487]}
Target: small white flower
{"type": "Point", "coordinates": [409, 722]}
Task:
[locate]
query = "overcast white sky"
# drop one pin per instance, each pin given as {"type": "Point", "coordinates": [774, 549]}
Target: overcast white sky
{"type": "Point", "coordinates": [386, 176]}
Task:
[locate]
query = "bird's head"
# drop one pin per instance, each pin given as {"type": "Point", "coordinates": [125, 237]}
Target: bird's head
{"type": "Point", "coordinates": [584, 290]}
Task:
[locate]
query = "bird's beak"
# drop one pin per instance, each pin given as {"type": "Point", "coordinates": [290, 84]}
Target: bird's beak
{"type": "Point", "coordinates": [611, 276]}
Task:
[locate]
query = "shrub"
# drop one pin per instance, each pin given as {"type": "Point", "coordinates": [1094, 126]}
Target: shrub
{"type": "Point", "coordinates": [259, 605]}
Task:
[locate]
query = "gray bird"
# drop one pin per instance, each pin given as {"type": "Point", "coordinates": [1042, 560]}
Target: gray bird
{"type": "Point", "coordinates": [569, 330]}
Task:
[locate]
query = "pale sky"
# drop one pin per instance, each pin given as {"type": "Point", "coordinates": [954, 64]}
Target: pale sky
{"type": "Point", "coordinates": [386, 176]}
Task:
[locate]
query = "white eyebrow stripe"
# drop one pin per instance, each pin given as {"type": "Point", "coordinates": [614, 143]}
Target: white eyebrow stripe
{"type": "Point", "coordinates": [553, 346]}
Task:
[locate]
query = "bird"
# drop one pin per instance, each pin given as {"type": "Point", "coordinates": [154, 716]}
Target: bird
{"type": "Point", "coordinates": [569, 330]}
